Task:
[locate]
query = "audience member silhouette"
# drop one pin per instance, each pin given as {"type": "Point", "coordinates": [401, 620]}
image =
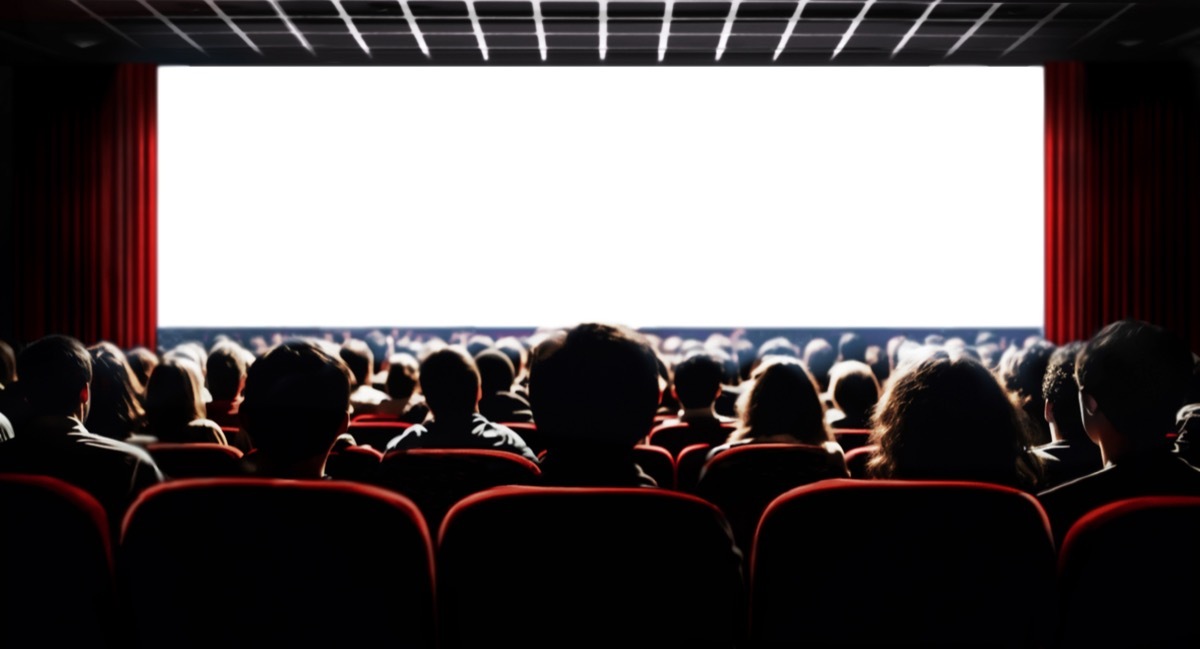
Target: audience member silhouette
{"type": "Point", "coordinates": [855, 392]}
{"type": "Point", "coordinates": [116, 409]}
{"type": "Point", "coordinates": [295, 404]}
{"type": "Point", "coordinates": [142, 361]}
{"type": "Point", "coordinates": [499, 402]}
{"type": "Point", "coordinates": [1024, 378]}
{"type": "Point", "coordinates": [781, 406]}
{"type": "Point", "coordinates": [697, 387]}
{"type": "Point", "coordinates": [1070, 454]}
{"type": "Point", "coordinates": [819, 357]}
{"type": "Point", "coordinates": [226, 377]}
{"type": "Point", "coordinates": [403, 378]}
{"type": "Point", "coordinates": [175, 410]}
{"type": "Point", "coordinates": [450, 381]}
{"type": "Point", "coordinates": [359, 358]}
{"type": "Point", "coordinates": [1132, 379]}
{"type": "Point", "coordinates": [948, 418]}
{"type": "Point", "coordinates": [852, 347]}
{"type": "Point", "coordinates": [594, 391]}
{"type": "Point", "coordinates": [56, 378]}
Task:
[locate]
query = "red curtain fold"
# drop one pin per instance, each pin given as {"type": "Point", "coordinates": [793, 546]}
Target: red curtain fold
{"type": "Point", "coordinates": [1122, 197]}
{"type": "Point", "coordinates": [84, 236]}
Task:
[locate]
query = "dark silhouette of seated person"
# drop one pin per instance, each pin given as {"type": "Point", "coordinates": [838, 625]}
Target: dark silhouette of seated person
{"type": "Point", "coordinates": [359, 358]}
{"type": "Point", "coordinates": [852, 347]}
{"type": "Point", "coordinates": [142, 361]}
{"type": "Point", "coordinates": [594, 391]}
{"type": "Point", "coordinates": [226, 376]}
{"type": "Point", "coordinates": [116, 410]}
{"type": "Point", "coordinates": [855, 392]}
{"type": "Point", "coordinates": [56, 376]}
{"type": "Point", "coordinates": [819, 357]}
{"type": "Point", "coordinates": [1070, 454]}
{"type": "Point", "coordinates": [175, 408]}
{"type": "Point", "coordinates": [1024, 379]}
{"type": "Point", "coordinates": [403, 379]}
{"type": "Point", "coordinates": [499, 402]}
{"type": "Point", "coordinates": [782, 406]}
{"type": "Point", "coordinates": [295, 404]}
{"type": "Point", "coordinates": [451, 385]}
{"type": "Point", "coordinates": [697, 387]}
{"type": "Point", "coordinates": [947, 417]}
{"type": "Point", "coordinates": [1132, 379]}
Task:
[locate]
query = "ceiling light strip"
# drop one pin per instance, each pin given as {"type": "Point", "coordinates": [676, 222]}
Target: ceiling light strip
{"type": "Point", "coordinates": [665, 35]}
{"type": "Point", "coordinates": [1032, 30]}
{"type": "Point", "coordinates": [603, 28]}
{"type": "Point", "coordinates": [358, 38]}
{"type": "Point", "coordinates": [232, 25]}
{"type": "Point", "coordinates": [412, 26]}
{"type": "Point", "coordinates": [791, 27]}
{"type": "Point", "coordinates": [915, 27]}
{"type": "Point", "coordinates": [541, 29]}
{"type": "Point", "coordinates": [100, 19]}
{"type": "Point", "coordinates": [728, 29]}
{"type": "Point", "coordinates": [167, 21]}
{"type": "Point", "coordinates": [1104, 24]}
{"type": "Point", "coordinates": [292, 26]}
{"type": "Point", "coordinates": [974, 28]}
{"type": "Point", "coordinates": [853, 27]}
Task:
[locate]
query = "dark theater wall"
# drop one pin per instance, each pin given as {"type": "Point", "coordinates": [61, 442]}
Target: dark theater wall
{"type": "Point", "coordinates": [84, 236]}
{"type": "Point", "coordinates": [7, 263]}
{"type": "Point", "coordinates": [1122, 197]}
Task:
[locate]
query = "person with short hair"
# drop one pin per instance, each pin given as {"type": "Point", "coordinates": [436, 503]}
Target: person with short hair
{"type": "Point", "coordinates": [56, 378]}
{"type": "Point", "coordinates": [226, 377]}
{"type": "Point", "coordinates": [594, 391]}
{"type": "Point", "coordinates": [358, 356]}
{"type": "Point", "coordinates": [295, 404]}
{"type": "Point", "coordinates": [697, 386]}
{"type": "Point", "coordinates": [1132, 378]}
{"type": "Point", "coordinates": [451, 384]}
{"type": "Point", "coordinates": [499, 402]}
{"type": "Point", "coordinates": [819, 357]}
{"type": "Point", "coordinates": [1070, 454]}
{"type": "Point", "coordinates": [855, 391]}
{"type": "Point", "coordinates": [852, 347]}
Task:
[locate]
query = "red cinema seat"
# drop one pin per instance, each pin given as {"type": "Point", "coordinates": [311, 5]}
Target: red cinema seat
{"type": "Point", "coordinates": [930, 564]}
{"type": "Point", "coordinates": [355, 463]}
{"type": "Point", "coordinates": [656, 463]}
{"type": "Point", "coordinates": [1128, 575]}
{"type": "Point", "coordinates": [196, 460]}
{"type": "Point", "coordinates": [743, 480]}
{"type": "Point", "coordinates": [56, 582]}
{"type": "Point", "coordinates": [376, 434]}
{"type": "Point", "coordinates": [856, 461]}
{"type": "Point", "coordinates": [851, 438]}
{"type": "Point", "coordinates": [587, 567]}
{"type": "Point", "coordinates": [676, 437]}
{"type": "Point", "coordinates": [689, 465]}
{"type": "Point", "coordinates": [534, 439]}
{"type": "Point", "coordinates": [435, 479]}
{"type": "Point", "coordinates": [250, 562]}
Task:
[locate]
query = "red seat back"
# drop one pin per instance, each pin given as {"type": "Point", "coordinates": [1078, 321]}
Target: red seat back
{"type": "Point", "coordinates": [356, 463]}
{"type": "Point", "coordinates": [606, 567]}
{"type": "Point", "coordinates": [56, 586]}
{"type": "Point", "coordinates": [1128, 573]}
{"type": "Point", "coordinates": [435, 479]}
{"type": "Point", "coordinates": [689, 466]}
{"type": "Point", "coordinates": [676, 437]}
{"type": "Point", "coordinates": [196, 460]}
{"type": "Point", "coordinates": [856, 460]}
{"type": "Point", "coordinates": [743, 480]}
{"type": "Point", "coordinates": [945, 563]}
{"type": "Point", "coordinates": [656, 463]}
{"type": "Point", "coordinates": [256, 563]}
{"type": "Point", "coordinates": [852, 438]}
{"type": "Point", "coordinates": [376, 434]}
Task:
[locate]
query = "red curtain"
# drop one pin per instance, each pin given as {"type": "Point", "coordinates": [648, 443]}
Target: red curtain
{"type": "Point", "coordinates": [1122, 197]}
{"type": "Point", "coordinates": [84, 236]}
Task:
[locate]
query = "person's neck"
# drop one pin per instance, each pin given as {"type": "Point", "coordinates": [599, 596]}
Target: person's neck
{"type": "Point", "coordinates": [1116, 448]}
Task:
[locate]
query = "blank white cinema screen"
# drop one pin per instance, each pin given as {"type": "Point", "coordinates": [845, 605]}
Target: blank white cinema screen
{"type": "Point", "coordinates": [650, 196]}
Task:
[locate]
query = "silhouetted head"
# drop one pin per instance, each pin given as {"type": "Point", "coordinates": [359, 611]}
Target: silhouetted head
{"type": "Point", "coordinates": [56, 375]}
{"type": "Point", "coordinates": [174, 397]}
{"type": "Point", "coordinates": [296, 401]}
{"type": "Point", "coordinates": [403, 376]}
{"type": "Point", "coordinates": [515, 351]}
{"type": "Point", "coordinates": [948, 418]}
{"type": "Point", "coordinates": [698, 380]}
{"type": "Point", "coordinates": [116, 409]}
{"type": "Point", "coordinates": [1137, 375]}
{"type": "Point", "coordinates": [878, 361]}
{"type": "Point", "coordinates": [855, 389]}
{"type": "Point", "coordinates": [783, 400]}
{"type": "Point", "coordinates": [595, 384]}
{"type": "Point", "coordinates": [851, 347]}
{"type": "Point", "coordinates": [381, 350]}
{"type": "Point", "coordinates": [819, 356]}
{"type": "Point", "coordinates": [226, 372]}
{"type": "Point", "coordinates": [142, 361]}
{"type": "Point", "coordinates": [450, 382]}
{"type": "Point", "coordinates": [778, 346]}
{"type": "Point", "coordinates": [478, 344]}
{"type": "Point", "coordinates": [496, 372]}
{"type": "Point", "coordinates": [1060, 391]}
{"type": "Point", "coordinates": [358, 357]}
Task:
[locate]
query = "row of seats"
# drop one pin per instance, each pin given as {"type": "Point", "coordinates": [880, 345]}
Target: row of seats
{"type": "Point", "coordinates": [244, 562]}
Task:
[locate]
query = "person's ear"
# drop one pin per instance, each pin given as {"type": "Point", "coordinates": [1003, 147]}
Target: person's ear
{"type": "Point", "coordinates": [85, 394]}
{"type": "Point", "coordinates": [1048, 413]}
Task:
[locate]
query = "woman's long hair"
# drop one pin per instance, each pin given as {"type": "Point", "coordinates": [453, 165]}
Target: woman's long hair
{"type": "Point", "coordinates": [782, 401]}
{"type": "Point", "coordinates": [948, 418]}
{"type": "Point", "coordinates": [116, 407]}
{"type": "Point", "coordinates": [174, 397]}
